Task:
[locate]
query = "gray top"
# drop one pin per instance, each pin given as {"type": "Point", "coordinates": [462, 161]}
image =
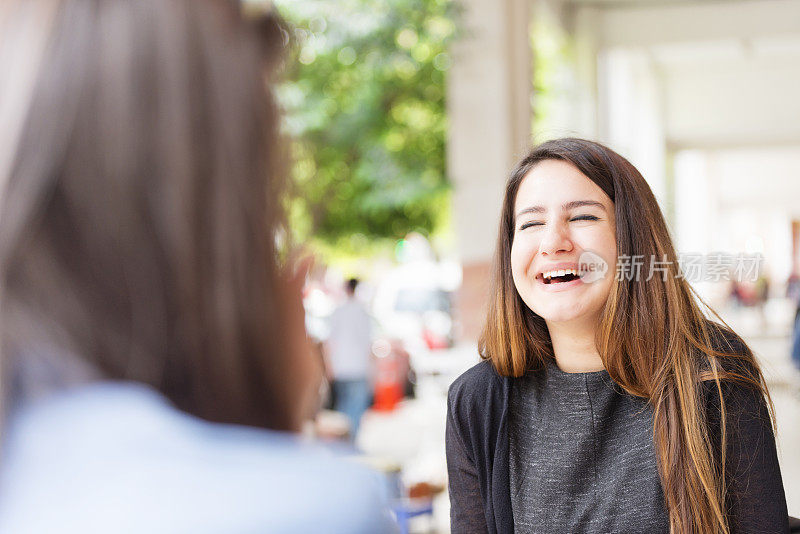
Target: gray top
{"type": "Point", "coordinates": [581, 456]}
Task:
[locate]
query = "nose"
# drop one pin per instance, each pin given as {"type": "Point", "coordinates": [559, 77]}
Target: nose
{"type": "Point", "coordinates": [555, 239]}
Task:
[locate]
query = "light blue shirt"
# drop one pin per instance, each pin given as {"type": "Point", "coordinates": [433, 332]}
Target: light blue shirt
{"type": "Point", "coordinates": [117, 457]}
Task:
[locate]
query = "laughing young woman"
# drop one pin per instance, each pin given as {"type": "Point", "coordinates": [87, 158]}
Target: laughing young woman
{"type": "Point", "coordinates": [607, 402]}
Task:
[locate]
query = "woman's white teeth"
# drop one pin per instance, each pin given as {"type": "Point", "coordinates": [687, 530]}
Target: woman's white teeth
{"type": "Point", "coordinates": [561, 272]}
{"type": "Point", "coordinates": [547, 277]}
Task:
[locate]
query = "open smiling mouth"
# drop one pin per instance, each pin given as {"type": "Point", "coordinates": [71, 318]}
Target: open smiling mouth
{"type": "Point", "coordinates": [559, 277]}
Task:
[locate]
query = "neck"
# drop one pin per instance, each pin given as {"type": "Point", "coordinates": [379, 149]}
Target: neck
{"type": "Point", "coordinates": [574, 346]}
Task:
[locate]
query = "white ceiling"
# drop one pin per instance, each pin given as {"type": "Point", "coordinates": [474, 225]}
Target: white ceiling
{"type": "Point", "coordinates": [729, 72]}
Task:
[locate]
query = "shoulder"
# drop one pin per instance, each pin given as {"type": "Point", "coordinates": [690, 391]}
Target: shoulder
{"type": "Point", "coordinates": [476, 405]}
{"type": "Point", "coordinates": [477, 400]}
{"type": "Point", "coordinates": [164, 471]}
{"type": "Point", "coordinates": [738, 359]}
{"type": "Point", "coordinates": [726, 340]}
{"type": "Point", "coordinates": [476, 385]}
{"type": "Point", "coordinates": [755, 497]}
{"type": "Point", "coordinates": [740, 384]}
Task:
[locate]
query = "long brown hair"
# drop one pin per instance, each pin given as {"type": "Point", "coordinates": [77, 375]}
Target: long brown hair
{"type": "Point", "coordinates": [653, 338]}
{"type": "Point", "coordinates": [141, 200]}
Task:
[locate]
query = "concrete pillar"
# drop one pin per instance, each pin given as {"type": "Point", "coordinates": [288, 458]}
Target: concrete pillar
{"type": "Point", "coordinates": [570, 37]}
{"type": "Point", "coordinates": [489, 110]}
{"type": "Point", "coordinates": [632, 114]}
{"type": "Point", "coordinates": [696, 207]}
{"type": "Point", "coordinates": [587, 43]}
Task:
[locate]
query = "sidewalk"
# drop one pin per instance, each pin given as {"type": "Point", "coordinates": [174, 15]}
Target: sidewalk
{"type": "Point", "coordinates": [413, 434]}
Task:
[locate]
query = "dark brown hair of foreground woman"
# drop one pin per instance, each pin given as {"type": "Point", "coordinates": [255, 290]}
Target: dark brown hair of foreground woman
{"type": "Point", "coordinates": [640, 319]}
{"type": "Point", "coordinates": [141, 201]}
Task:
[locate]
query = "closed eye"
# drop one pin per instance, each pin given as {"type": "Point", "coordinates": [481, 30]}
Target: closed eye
{"type": "Point", "coordinates": [529, 224]}
{"type": "Point", "coordinates": [578, 218]}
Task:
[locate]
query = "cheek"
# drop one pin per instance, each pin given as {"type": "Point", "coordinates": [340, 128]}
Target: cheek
{"type": "Point", "coordinates": [609, 252]}
{"type": "Point", "coordinates": [606, 247]}
{"type": "Point", "coordinates": [523, 251]}
{"type": "Point", "coordinates": [601, 241]}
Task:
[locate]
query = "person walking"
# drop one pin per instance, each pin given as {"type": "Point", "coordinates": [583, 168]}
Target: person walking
{"type": "Point", "coordinates": [793, 293]}
{"type": "Point", "coordinates": [349, 361]}
{"type": "Point", "coordinates": [796, 339]}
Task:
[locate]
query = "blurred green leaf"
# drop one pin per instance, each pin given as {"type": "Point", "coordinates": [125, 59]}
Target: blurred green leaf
{"type": "Point", "coordinates": [365, 103]}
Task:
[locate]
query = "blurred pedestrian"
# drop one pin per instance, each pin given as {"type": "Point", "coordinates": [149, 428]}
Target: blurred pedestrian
{"type": "Point", "coordinates": [155, 369]}
{"type": "Point", "coordinates": [793, 288]}
{"type": "Point", "coordinates": [793, 293]}
{"type": "Point", "coordinates": [762, 298]}
{"type": "Point", "coordinates": [735, 294]}
{"type": "Point", "coordinates": [349, 357]}
{"type": "Point", "coordinates": [796, 338]}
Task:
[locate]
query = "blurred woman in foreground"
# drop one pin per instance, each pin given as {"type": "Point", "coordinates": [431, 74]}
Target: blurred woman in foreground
{"type": "Point", "coordinates": [145, 323]}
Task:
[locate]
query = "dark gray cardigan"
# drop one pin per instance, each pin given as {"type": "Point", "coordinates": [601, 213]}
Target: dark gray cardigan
{"type": "Point", "coordinates": [478, 456]}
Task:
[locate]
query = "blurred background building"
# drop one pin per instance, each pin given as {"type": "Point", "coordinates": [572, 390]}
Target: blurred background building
{"type": "Point", "coordinates": [698, 95]}
{"type": "Point", "coordinates": [407, 116]}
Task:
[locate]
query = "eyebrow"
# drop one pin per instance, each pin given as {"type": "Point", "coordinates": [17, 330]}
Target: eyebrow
{"type": "Point", "coordinates": [566, 207]}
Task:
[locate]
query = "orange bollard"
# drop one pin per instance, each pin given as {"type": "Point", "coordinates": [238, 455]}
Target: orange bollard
{"type": "Point", "coordinates": [388, 384]}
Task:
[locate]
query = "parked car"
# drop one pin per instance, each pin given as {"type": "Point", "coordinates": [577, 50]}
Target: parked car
{"type": "Point", "coordinates": [413, 304]}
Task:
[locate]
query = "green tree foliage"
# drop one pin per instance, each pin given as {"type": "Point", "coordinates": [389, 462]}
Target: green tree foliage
{"type": "Point", "coordinates": [365, 103]}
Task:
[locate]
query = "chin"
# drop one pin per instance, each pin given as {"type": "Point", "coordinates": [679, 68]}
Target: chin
{"type": "Point", "coordinates": [562, 315]}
